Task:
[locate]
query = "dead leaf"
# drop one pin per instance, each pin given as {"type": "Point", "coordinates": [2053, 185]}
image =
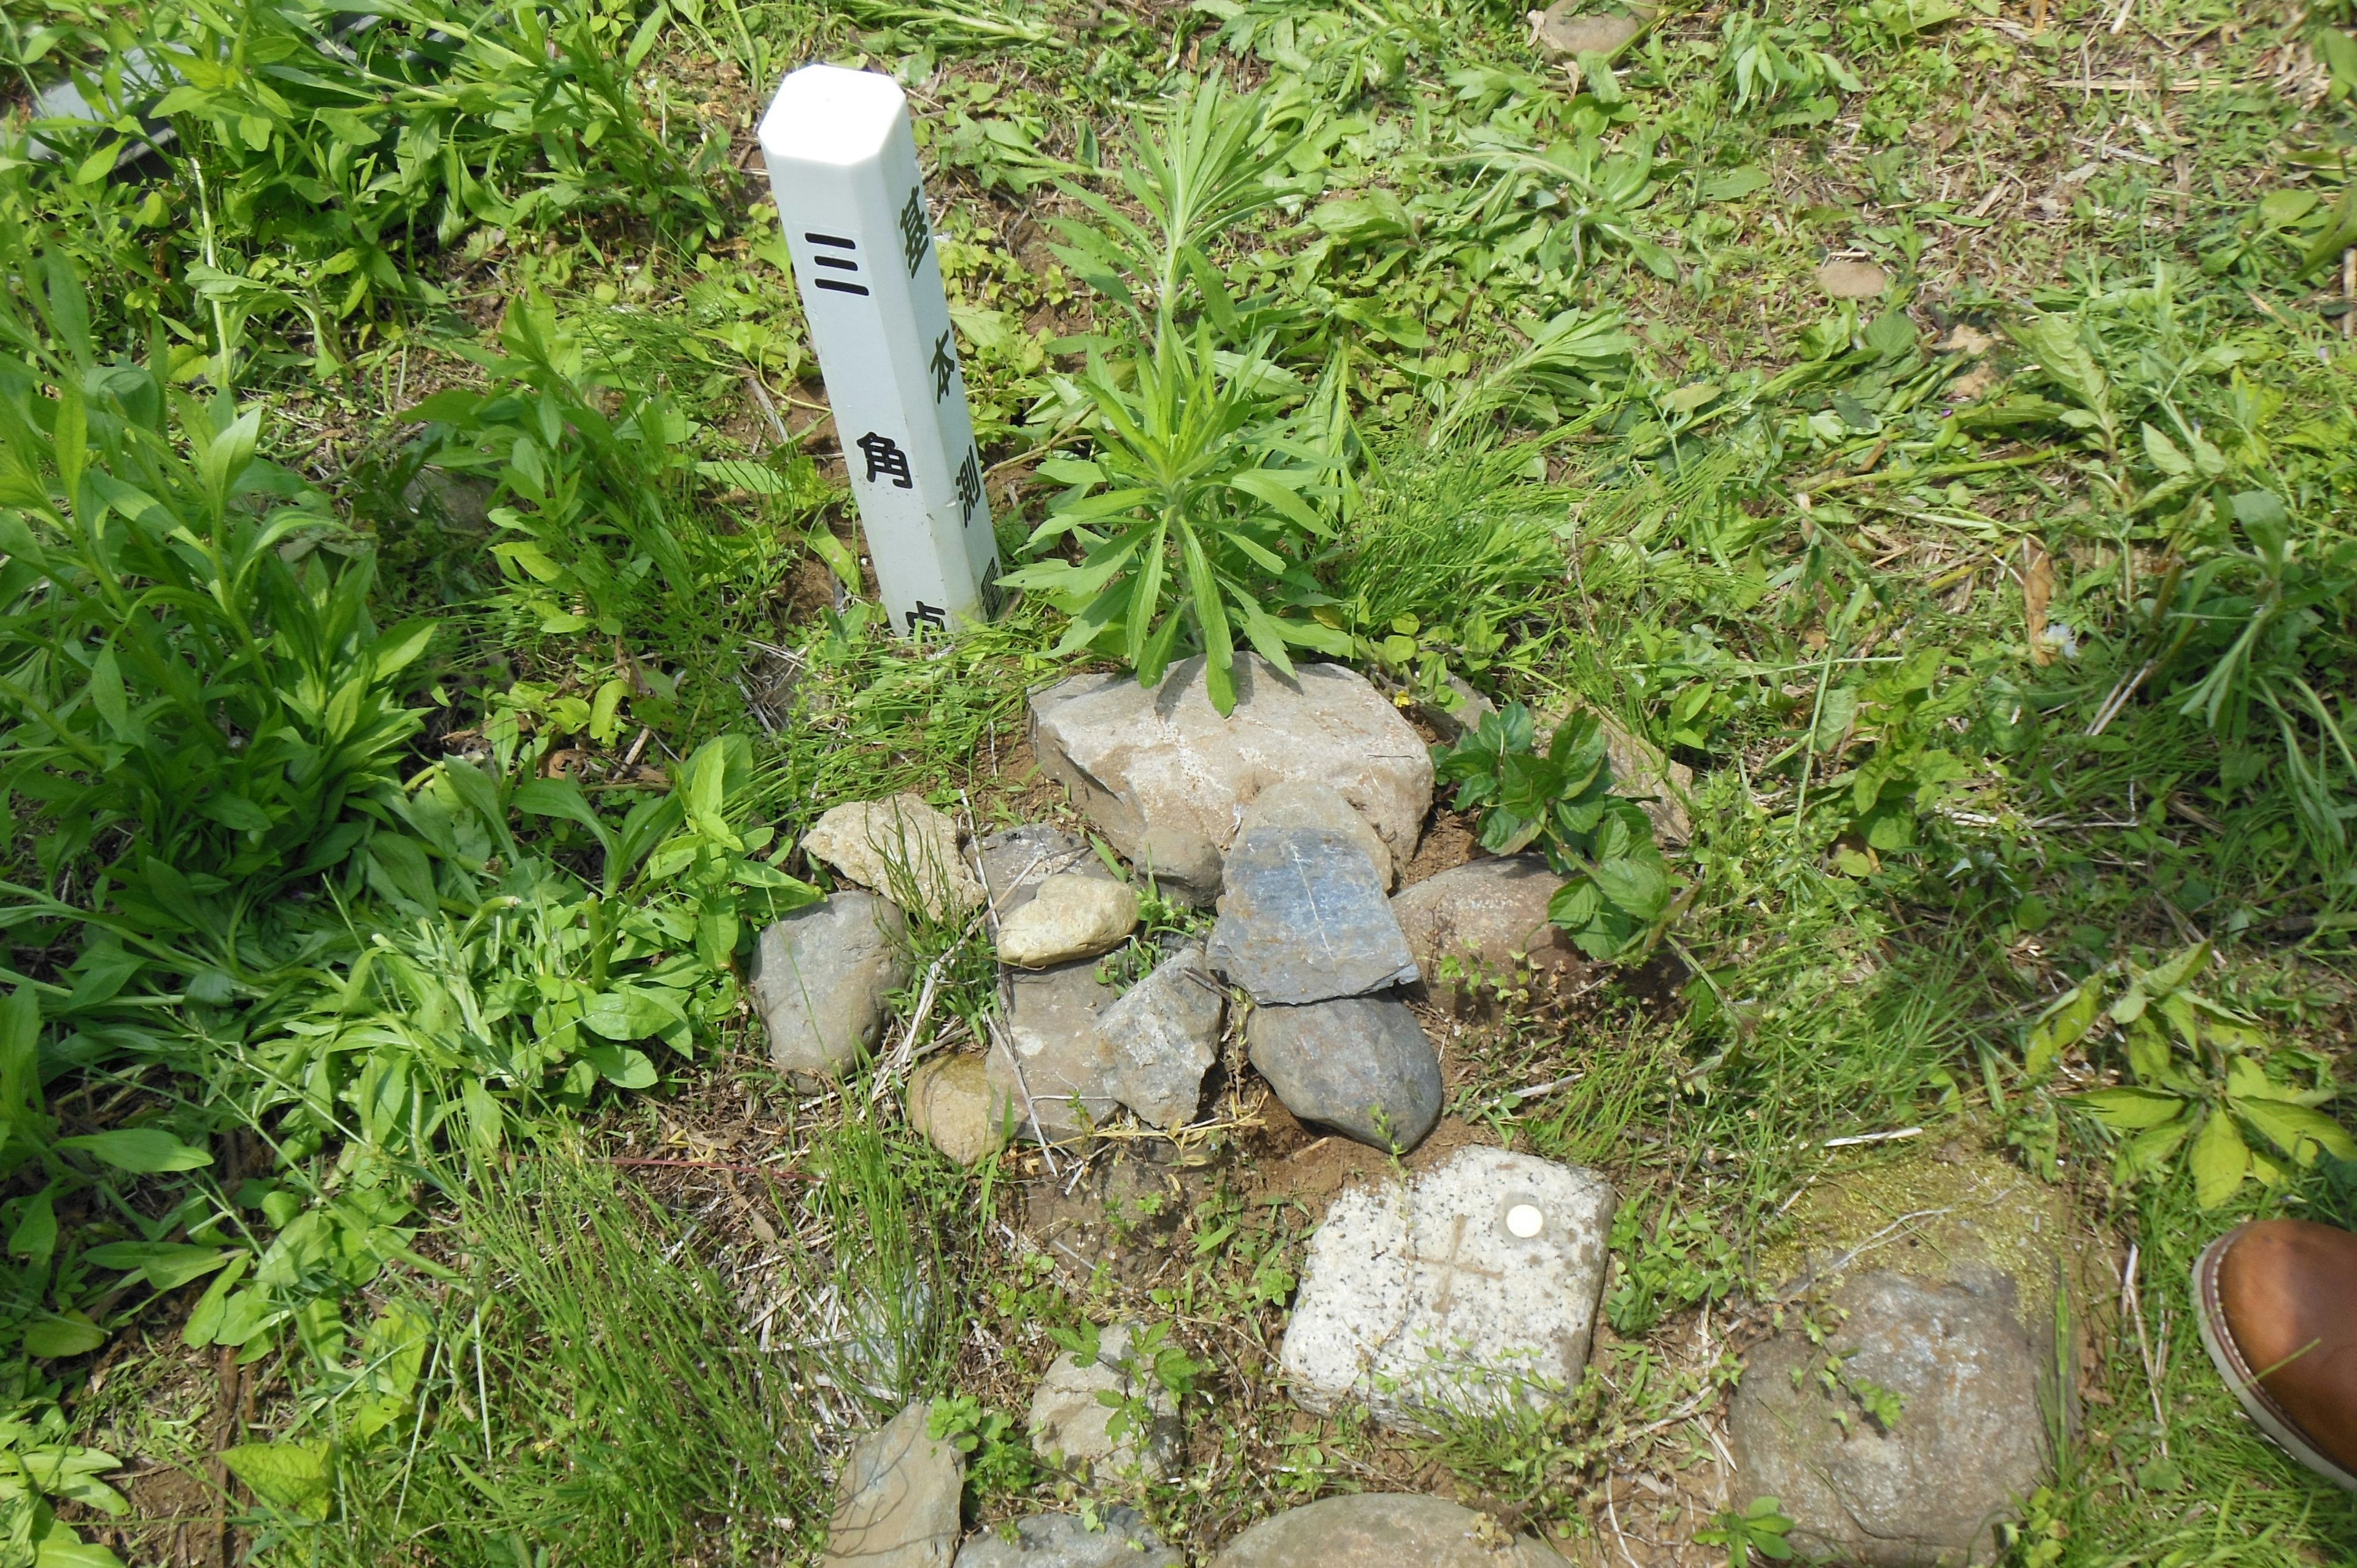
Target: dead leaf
{"type": "Point", "coordinates": [1965, 339]}
{"type": "Point", "coordinates": [1972, 385]}
{"type": "Point", "coordinates": [2037, 593]}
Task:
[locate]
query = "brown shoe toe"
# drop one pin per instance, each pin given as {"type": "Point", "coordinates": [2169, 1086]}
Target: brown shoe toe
{"type": "Point", "coordinates": [2278, 1302]}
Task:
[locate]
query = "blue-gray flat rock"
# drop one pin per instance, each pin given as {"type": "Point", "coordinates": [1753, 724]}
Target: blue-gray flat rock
{"type": "Point", "coordinates": [1361, 1065]}
{"type": "Point", "coordinates": [1304, 918]}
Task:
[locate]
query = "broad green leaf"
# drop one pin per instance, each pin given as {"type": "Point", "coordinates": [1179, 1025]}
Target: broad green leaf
{"type": "Point", "coordinates": [1640, 887]}
{"type": "Point", "coordinates": [143, 1151]}
{"type": "Point", "coordinates": [621, 1066]}
{"type": "Point", "coordinates": [2064, 1024]}
{"type": "Point", "coordinates": [2219, 1159]}
{"type": "Point", "coordinates": [2126, 1110]}
{"type": "Point", "coordinates": [52, 1336]}
{"type": "Point", "coordinates": [2298, 1130]}
{"type": "Point", "coordinates": [292, 1476]}
{"type": "Point", "coordinates": [166, 1266]}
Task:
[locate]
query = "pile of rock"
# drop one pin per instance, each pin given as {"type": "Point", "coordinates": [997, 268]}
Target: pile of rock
{"type": "Point", "coordinates": [1294, 815]}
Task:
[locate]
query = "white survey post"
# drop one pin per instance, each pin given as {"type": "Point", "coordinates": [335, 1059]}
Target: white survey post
{"type": "Point", "coordinates": [843, 167]}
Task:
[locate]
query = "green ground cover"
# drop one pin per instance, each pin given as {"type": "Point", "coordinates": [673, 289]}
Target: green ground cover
{"type": "Point", "coordinates": [430, 609]}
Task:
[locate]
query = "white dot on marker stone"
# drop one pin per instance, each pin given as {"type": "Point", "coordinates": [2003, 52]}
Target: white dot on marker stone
{"type": "Point", "coordinates": [1525, 1220]}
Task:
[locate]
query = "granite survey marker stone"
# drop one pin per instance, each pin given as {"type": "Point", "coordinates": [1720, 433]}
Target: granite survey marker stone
{"type": "Point", "coordinates": [899, 847]}
{"type": "Point", "coordinates": [1050, 1063]}
{"type": "Point", "coordinates": [1968, 1440]}
{"type": "Point", "coordinates": [1162, 1037]}
{"type": "Point", "coordinates": [1361, 1065]}
{"type": "Point", "coordinates": [1303, 919]}
{"type": "Point", "coordinates": [1382, 1529]}
{"type": "Point", "coordinates": [820, 977]}
{"type": "Point", "coordinates": [1474, 1284]}
{"type": "Point", "coordinates": [1567, 31]}
{"type": "Point", "coordinates": [1065, 1540]}
{"type": "Point", "coordinates": [1068, 1418]}
{"type": "Point", "coordinates": [897, 1500]}
{"type": "Point", "coordinates": [1070, 915]}
{"type": "Point", "coordinates": [1167, 778]}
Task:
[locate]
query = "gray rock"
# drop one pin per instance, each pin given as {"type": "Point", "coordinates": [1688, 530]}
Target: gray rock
{"type": "Point", "coordinates": [1068, 1418]}
{"type": "Point", "coordinates": [1361, 1065]}
{"type": "Point", "coordinates": [820, 978]}
{"type": "Point", "coordinates": [897, 1501]}
{"type": "Point", "coordinates": [1382, 1529]}
{"type": "Point", "coordinates": [1308, 803]}
{"type": "Point", "coordinates": [901, 848]}
{"type": "Point", "coordinates": [1567, 32]}
{"type": "Point", "coordinates": [1162, 1037]}
{"type": "Point", "coordinates": [1065, 1540]}
{"type": "Point", "coordinates": [1472, 1286]}
{"type": "Point", "coordinates": [1055, 1076]}
{"type": "Point", "coordinates": [950, 1102]}
{"type": "Point", "coordinates": [1014, 861]}
{"type": "Point", "coordinates": [1489, 915]}
{"type": "Point", "coordinates": [1168, 779]}
{"type": "Point", "coordinates": [1303, 919]}
{"type": "Point", "coordinates": [1969, 1439]}
{"type": "Point", "coordinates": [1070, 915]}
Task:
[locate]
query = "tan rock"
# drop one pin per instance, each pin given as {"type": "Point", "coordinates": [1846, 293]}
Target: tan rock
{"type": "Point", "coordinates": [1490, 916]}
{"type": "Point", "coordinates": [901, 847]}
{"type": "Point", "coordinates": [949, 1102]}
{"type": "Point", "coordinates": [1167, 778]}
{"type": "Point", "coordinates": [1853, 280]}
{"type": "Point", "coordinates": [1072, 915]}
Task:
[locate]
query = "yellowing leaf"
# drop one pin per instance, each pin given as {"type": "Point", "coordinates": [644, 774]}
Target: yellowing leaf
{"type": "Point", "coordinates": [2129, 1109]}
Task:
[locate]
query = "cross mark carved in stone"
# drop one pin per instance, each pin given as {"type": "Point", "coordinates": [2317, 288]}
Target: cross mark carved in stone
{"type": "Point", "coordinates": [1451, 1266]}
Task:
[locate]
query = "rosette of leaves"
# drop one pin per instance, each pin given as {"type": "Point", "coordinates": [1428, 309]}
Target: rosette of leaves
{"type": "Point", "coordinates": [1194, 519]}
{"type": "Point", "coordinates": [2205, 1090]}
{"type": "Point", "coordinates": [1558, 802]}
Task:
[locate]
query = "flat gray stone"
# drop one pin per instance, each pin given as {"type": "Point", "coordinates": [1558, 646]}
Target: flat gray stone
{"type": "Point", "coordinates": [1969, 1438]}
{"type": "Point", "coordinates": [1166, 778]}
{"type": "Point", "coordinates": [1070, 915]}
{"type": "Point", "coordinates": [1490, 917]}
{"type": "Point", "coordinates": [1068, 1418]}
{"type": "Point", "coordinates": [1382, 1529]}
{"type": "Point", "coordinates": [820, 978]}
{"type": "Point", "coordinates": [1303, 919]}
{"type": "Point", "coordinates": [1474, 1284]}
{"type": "Point", "coordinates": [1014, 861]}
{"type": "Point", "coordinates": [1062, 1089]}
{"type": "Point", "coordinates": [1308, 803]}
{"type": "Point", "coordinates": [897, 1500]}
{"type": "Point", "coordinates": [1361, 1065]}
{"type": "Point", "coordinates": [1065, 1540]}
{"type": "Point", "coordinates": [1162, 1037]}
